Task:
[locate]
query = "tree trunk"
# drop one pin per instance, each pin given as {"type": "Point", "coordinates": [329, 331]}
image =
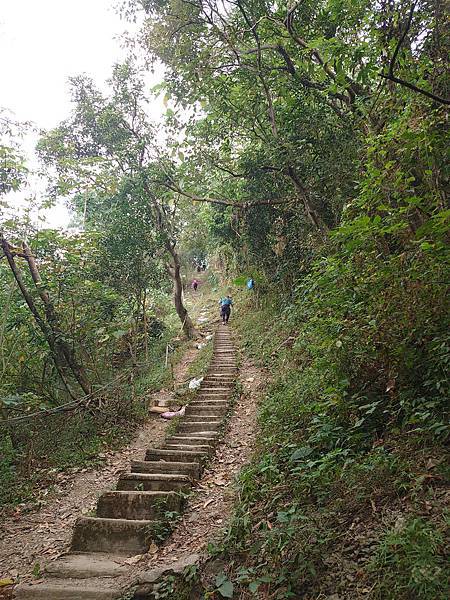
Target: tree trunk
{"type": "Point", "coordinates": [311, 213]}
{"type": "Point", "coordinates": [53, 321]}
{"type": "Point", "coordinates": [174, 270]}
{"type": "Point", "coordinates": [145, 323]}
{"type": "Point", "coordinates": [46, 330]}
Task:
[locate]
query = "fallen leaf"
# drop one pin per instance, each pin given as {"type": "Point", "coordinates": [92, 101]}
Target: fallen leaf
{"type": "Point", "coordinates": [133, 559]}
{"type": "Point", "coordinates": [153, 549]}
{"type": "Point", "coordinates": [219, 481]}
{"type": "Point", "coordinates": [390, 385]}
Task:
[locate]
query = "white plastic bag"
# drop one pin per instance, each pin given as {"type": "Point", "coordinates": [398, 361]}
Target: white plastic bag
{"type": "Point", "coordinates": [194, 384]}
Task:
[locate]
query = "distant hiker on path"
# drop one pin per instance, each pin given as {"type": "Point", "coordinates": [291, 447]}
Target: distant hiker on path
{"type": "Point", "coordinates": [194, 285]}
{"type": "Point", "coordinates": [225, 308]}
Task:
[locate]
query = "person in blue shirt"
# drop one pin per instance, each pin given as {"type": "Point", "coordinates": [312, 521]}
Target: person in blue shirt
{"type": "Point", "coordinates": [250, 283]}
{"type": "Point", "coordinates": [225, 308]}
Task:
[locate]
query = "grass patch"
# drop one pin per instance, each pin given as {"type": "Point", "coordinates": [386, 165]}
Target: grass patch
{"type": "Point", "coordinates": [410, 562]}
{"type": "Point", "coordinates": [199, 366]}
{"type": "Point", "coordinates": [34, 452]}
{"type": "Point", "coordinates": [336, 467]}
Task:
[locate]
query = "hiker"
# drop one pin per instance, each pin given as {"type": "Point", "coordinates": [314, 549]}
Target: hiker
{"type": "Point", "coordinates": [194, 285]}
{"type": "Point", "coordinates": [225, 308]}
{"type": "Point", "coordinates": [250, 283]}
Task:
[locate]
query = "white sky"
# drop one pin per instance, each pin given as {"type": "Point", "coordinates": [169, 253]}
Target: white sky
{"type": "Point", "coordinates": [42, 43]}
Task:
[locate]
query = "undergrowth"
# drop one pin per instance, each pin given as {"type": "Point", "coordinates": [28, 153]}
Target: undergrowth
{"type": "Point", "coordinates": [345, 493]}
{"type": "Point", "coordinates": [36, 453]}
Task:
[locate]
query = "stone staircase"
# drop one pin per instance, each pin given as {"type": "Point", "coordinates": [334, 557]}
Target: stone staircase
{"type": "Point", "coordinates": [126, 519]}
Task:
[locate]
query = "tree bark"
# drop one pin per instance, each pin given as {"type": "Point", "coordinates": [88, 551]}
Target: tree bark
{"type": "Point", "coordinates": [53, 322]}
{"type": "Point", "coordinates": [145, 323]}
{"type": "Point", "coordinates": [174, 270]}
{"type": "Point", "coordinates": [46, 330]}
{"type": "Point", "coordinates": [311, 213]}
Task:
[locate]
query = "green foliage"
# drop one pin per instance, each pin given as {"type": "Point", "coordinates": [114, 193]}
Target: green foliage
{"type": "Point", "coordinates": [13, 169]}
{"type": "Point", "coordinates": [410, 562]}
{"type": "Point", "coordinates": [160, 530]}
{"type": "Point", "coordinates": [35, 451]}
{"type": "Point", "coordinates": [337, 439]}
{"type": "Point", "coordinates": [224, 586]}
{"type": "Point", "coordinates": [314, 138]}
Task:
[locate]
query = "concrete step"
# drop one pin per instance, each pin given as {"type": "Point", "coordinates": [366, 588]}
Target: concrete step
{"type": "Point", "coordinates": [177, 456]}
{"type": "Point", "coordinates": [67, 589]}
{"type": "Point", "coordinates": [200, 417]}
{"type": "Point", "coordinates": [217, 387]}
{"type": "Point", "coordinates": [159, 482]}
{"type": "Point", "coordinates": [224, 396]}
{"type": "Point", "coordinates": [136, 505]}
{"type": "Point", "coordinates": [82, 565]}
{"type": "Point", "coordinates": [226, 393]}
{"type": "Point", "coordinates": [193, 440]}
{"type": "Point", "coordinates": [114, 536]}
{"type": "Point", "coordinates": [214, 412]}
{"type": "Point", "coordinates": [217, 399]}
{"type": "Point", "coordinates": [199, 426]}
{"type": "Point", "coordinates": [210, 400]}
{"type": "Point", "coordinates": [201, 434]}
{"type": "Point", "coordinates": [208, 404]}
{"type": "Point", "coordinates": [223, 359]}
{"type": "Point", "coordinates": [207, 448]}
{"type": "Point", "coordinates": [189, 418]}
{"type": "Point", "coordinates": [202, 410]}
{"type": "Point", "coordinates": [219, 376]}
{"type": "Point", "coordinates": [191, 469]}
{"type": "Point", "coordinates": [214, 392]}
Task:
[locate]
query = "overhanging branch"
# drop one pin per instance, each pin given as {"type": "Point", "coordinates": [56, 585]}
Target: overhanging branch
{"type": "Point", "coordinates": [225, 201]}
{"type": "Point", "coordinates": [391, 75]}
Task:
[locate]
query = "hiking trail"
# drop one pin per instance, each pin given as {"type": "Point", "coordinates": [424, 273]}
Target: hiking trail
{"type": "Point", "coordinates": [113, 551]}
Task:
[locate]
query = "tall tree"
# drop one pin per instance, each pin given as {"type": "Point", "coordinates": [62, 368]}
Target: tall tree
{"type": "Point", "coordinates": [107, 155]}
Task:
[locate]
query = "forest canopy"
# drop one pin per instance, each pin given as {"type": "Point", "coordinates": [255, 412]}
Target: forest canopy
{"type": "Point", "coordinates": [304, 144]}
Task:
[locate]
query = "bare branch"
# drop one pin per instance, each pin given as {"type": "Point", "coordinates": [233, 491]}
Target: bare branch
{"type": "Point", "coordinates": [392, 77]}
{"type": "Point", "coordinates": [224, 201]}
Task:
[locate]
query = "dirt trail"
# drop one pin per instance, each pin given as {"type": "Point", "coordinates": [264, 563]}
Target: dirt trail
{"type": "Point", "coordinates": [44, 535]}
{"type": "Point", "coordinates": [209, 508]}
{"type": "Point", "coordinates": [27, 541]}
